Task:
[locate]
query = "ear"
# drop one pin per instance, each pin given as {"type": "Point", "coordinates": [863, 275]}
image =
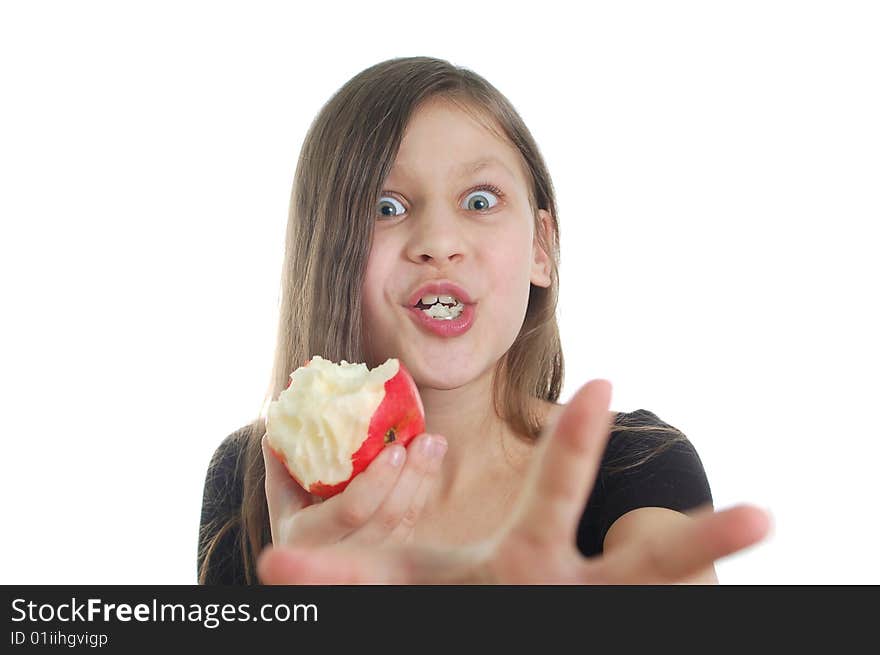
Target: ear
{"type": "Point", "coordinates": [540, 259]}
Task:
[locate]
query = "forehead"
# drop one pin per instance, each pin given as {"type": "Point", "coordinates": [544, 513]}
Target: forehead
{"type": "Point", "coordinates": [442, 140]}
{"type": "Point", "coordinates": [457, 169]}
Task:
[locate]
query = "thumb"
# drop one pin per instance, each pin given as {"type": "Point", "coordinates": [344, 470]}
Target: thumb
{"type": "Point", "coordinates": [283, 565]}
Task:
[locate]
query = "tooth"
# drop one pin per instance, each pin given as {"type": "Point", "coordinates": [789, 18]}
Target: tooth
{"type": "Point", "coordinates": [441, 312]}
{"type": "Point", "coordinates": [448, 299]}
{"type": "Point", "coordinates": [429, 300]}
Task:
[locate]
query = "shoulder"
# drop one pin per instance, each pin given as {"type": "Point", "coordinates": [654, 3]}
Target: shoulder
{"type": "Point", "coordinates": [636, 437]}
{"type": "Point", "coordinates": [640, 437]}
{"type": "Point", "coordinates": [227, 457]}
{"type": "Point", "coordinates": [224, 479]}
{"type": "Point", "coordinates": [221, 506]}
{"type": "Point", "coordinates": [647, 463]}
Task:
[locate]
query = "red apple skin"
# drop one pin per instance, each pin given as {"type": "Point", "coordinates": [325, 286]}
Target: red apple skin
{"type": "Point", "coordinates": [398, 419]}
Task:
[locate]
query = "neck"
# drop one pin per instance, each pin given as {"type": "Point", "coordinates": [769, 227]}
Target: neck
{"type": "Point", "coordinates": [478, 439]}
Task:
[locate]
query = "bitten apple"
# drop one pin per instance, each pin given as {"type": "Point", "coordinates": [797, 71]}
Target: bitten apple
{"type": "Point", "coordinates": [334, 419]}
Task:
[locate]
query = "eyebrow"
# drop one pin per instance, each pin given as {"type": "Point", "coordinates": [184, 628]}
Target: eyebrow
{"type": "Point", "coordinates": [468, 168]}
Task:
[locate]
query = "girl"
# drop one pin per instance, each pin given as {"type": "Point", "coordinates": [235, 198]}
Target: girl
{"type": "Point", "coordinates": [420, 178]}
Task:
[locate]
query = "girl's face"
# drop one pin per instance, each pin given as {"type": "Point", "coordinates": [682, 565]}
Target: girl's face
{"type": "Point", "coordinates": [432, 222]}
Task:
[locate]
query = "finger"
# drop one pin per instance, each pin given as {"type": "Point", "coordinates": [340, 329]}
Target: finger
{"type": "Point", "coordinates": [565, 466]}
{"type": "Point", "coordinates": [347, 564]}
{"type": "Point", "coordinates": [400, 508]}
{"type": "Point", "coordinates": [683, 550]}
{"type": "Point", "coordinates": [346, 512]}
{"type": "Point", "coordinates": [404, 531]}
{"type": "Point", "coordinates": [302, 566]}
{"type": "Point", "coordinates": [284, 495]}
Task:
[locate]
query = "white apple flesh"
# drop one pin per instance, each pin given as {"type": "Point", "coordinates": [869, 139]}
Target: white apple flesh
{"type": "Point", "coordinates": [334, 419]}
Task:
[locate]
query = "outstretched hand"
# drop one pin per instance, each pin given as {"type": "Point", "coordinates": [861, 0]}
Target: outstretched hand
{"type": "Point", "coordinates": [537, 544]}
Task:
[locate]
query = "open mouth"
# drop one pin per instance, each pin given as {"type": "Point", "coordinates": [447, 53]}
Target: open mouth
{"type": "Point", "coordinates": [442, 320]}
{"type": "Point", "coordinates": [440, 307]}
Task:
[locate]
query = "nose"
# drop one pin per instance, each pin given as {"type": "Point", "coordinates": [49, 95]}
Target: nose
{"type": "Point", "coordinates": [436, 236]}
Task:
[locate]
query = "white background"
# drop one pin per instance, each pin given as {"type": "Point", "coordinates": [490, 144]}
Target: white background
{"type": "Point", "coordinates": [717, 173]}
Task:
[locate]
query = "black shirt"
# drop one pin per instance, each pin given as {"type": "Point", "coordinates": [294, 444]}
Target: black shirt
{"type": "Point", "coordinates": [672, 477]}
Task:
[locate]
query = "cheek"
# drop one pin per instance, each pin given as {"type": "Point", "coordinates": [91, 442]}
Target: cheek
{"type": "Point", "coordinates": [511, 264]}
{"type": "Point", "coordinates": [512, 284]}
{"type": "Point", "coordinates": [375, 279]}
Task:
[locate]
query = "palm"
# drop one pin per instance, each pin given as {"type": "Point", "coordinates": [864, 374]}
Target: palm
{"type": "Point", "coordinates": [537, 544]}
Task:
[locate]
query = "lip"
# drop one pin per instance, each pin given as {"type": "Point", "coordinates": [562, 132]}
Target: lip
{"type": "Point", "coordinates": [440, 288]}
{"type": "Point", "coordinates": [445, 328]}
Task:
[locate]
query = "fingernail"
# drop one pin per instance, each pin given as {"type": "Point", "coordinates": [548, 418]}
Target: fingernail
{"type": "Point", "coordinates": [425, 445]}
{"type": "Point", "coordinates": [437, 447]}
{"type": "Point", "coordinates": [396, 456]}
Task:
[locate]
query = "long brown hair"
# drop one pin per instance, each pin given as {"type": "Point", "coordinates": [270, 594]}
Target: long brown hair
{"type": "Point", "coordinates": [347, 153]}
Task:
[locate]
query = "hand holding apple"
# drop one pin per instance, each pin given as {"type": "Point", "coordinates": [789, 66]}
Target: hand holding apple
{"type": "Point", "coordinates": [382, 504]}
{"type": "Point", "coordinates": [380, 495]}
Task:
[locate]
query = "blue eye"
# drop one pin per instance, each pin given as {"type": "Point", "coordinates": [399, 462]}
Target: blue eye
{"type": "Point", "coordinates": [386, 210]}
{"type": "Point", "coordinates": [477, 199]}
{"type": "Point", "coordinates": [479, 195]}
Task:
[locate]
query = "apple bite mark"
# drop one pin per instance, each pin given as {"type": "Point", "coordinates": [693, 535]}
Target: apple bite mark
{"type": "Point", "coordinates": [334, 419]}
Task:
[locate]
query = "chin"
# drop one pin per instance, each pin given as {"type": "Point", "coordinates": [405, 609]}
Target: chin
{"type": "Point", "coordinates": [429, 375]}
